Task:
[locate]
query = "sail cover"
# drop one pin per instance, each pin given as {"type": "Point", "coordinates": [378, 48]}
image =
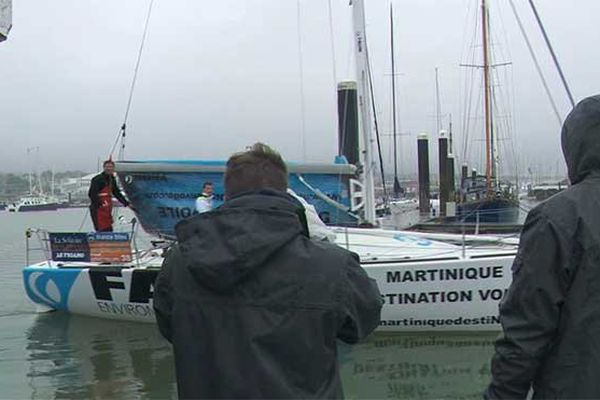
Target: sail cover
{"type": "Point", "coordinates": [5, 18]}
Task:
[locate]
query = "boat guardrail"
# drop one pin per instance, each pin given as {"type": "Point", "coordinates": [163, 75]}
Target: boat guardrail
{"type": "Point", "coordinates": [120, 247]}
{"type": "Point", "coordinates": [42, 236]}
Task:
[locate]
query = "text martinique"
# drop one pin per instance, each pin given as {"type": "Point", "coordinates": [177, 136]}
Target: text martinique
{"type": "Point", "coordinates": [445, 274]}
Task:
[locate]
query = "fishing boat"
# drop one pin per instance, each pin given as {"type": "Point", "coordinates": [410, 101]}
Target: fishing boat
{"type": "Point", "coordinates": [428, 282]}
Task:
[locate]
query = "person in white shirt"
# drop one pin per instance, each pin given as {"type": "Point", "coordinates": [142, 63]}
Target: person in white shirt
{"type": "Point", "coordinates": [204, 202]}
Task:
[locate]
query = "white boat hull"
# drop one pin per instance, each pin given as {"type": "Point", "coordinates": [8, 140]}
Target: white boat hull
{"type": "Point", "coordinates": [452, 290]}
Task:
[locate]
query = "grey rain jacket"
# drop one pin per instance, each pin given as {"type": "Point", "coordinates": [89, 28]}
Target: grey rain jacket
{"type": "Point", "coordinates": [253, 307]}
{"type": "Point", "coordinates": [551, 313]}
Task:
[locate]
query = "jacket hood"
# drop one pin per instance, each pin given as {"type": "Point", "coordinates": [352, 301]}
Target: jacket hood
{"type": "Point", "coordinates": [223, 246]}
{"type": "Point", "coordinates": [581, 139]}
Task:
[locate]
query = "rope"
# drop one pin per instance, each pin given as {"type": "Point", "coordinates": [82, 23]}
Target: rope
{"type": "Point", "coordinates": [376, 124]}
{"type": "Point", "coordinates": [301, 69]}
{"type": "Point", "coordinates": [121, 133]}
{"type": "Point", "coordinates": [332, 44]}
{"type": "Point", "coordinates": [554, 58]}
{"type": "Point", "coordinates": [536, 63]}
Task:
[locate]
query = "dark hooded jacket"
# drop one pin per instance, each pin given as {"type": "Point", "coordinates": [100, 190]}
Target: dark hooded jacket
{"type": "Point", "coordinates": [253, 307]}
{"type": "Point", "coordinates": [551, 313]}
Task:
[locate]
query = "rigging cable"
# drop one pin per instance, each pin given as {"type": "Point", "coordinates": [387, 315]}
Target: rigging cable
{"type": "Point", "coordinates": [332, 44]}
{"type": "Point", "coordinates": [121, 135]}
{"type": "Point", "coordinates": [536, 63]}
{"type": "Point", "coordinates": [301, 69]}
{"type": "Point", "coordinates": [342, 129]}
{"type": "Point", "coordinates": [376, 124]}
{"type": "Point", "coordinates": [554, 58]}
{"type": "Point", "coordinates": [468, 87]}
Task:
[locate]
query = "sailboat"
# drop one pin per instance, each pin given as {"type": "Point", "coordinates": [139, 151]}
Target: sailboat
{"type": "Point", "coordinates": [36, 200]}
{"type": "Point", "coordinates": [484, 198]}
{"type": "Point", "coordinates": [428, 282]}
{"type": "Point", "coordinates": [398, 203]}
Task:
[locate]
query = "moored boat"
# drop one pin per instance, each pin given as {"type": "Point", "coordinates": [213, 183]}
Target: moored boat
{"type": "Point", "coordinates": [428, 282]}
{"type": "Point", "coordinates": [34, 203]}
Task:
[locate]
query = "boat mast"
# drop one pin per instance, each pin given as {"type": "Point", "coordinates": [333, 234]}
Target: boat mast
{"type": "Point", "coordinates": [487, 100]}
{"type": "Point", "coordinates": [397, 187]}
{"type": "Point", "coordinates": [364, 102]}
{"type": "Point", "coordinates": [438, 104]}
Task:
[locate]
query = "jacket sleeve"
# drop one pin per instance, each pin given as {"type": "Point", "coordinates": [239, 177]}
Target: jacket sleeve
{"type": "Point", "coordinates": [116, 191]}
{"type": "Point", "coordinates": [163, 295]}
{"type": "Point", "coordinates": [530, 311]}
{"type": "Point", "coordinates": [361, 303]}
{"type": "Point", "coordinates": [94, 190]}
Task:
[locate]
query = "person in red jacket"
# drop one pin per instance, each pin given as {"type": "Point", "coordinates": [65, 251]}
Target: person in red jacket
{"type": "Point", "coordinates": [102, 188]}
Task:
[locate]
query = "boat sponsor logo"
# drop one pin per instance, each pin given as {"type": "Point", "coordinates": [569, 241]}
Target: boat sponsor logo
{"type": "Point", "coordinates": [135, 310]}
{"type": "Point", "coordinates": [50, 287]}
{"type": "Point", "coordinates": [401, 237]}
{"type": "Point", "coordinates": [108, 236]}
{"type": "Point", "coordinates": [139, 287]}
{"type": "Point", "coordinates": [145, 177]}
{"type": "Point", "coordinates": [441, 322]}
{"type": "Point", "coordinates": [445, 275]}
{"type": "Point", "coordinates": [95, 246]}
{"type": "Point", "coordinates": [123, 292]}
{"type": "Point", "coordinates": [176, 212]}
{"type": "Point", "coordinates": [69, 246]}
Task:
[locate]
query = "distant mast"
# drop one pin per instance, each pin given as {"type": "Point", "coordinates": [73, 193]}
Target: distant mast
{"type": "Point", "coordinates": [364, 104]}
{"type": "Point", "coordinates": [397, 187]}
{"type": "Point", "coordinates": [489, 151]}
{"type": "Point", "coordinates": [5, 18]}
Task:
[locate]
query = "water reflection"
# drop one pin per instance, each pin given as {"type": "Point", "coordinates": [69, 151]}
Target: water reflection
{"type": "Point", "coordinates": [72, 357]}
{"type": "Point", "coordinates": [416, 366]}
{"type": "Point", "coordinates": [76, 357]}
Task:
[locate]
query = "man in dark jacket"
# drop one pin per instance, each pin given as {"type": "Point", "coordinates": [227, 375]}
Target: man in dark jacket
{"type": "Point", "coordinates": [252, 306]}
{"type": "Point", "coordinates": [102, 188]}
{"type": "Point", "coordinates": [551, 314]}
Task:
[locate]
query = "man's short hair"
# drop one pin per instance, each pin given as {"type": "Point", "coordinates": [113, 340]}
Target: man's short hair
{"type": "Point", "coordinates": [105, 163]}
{"type": "Point", "coordinates": [207, 183]}
{"type": "Point", "coordinates": [259, 167]}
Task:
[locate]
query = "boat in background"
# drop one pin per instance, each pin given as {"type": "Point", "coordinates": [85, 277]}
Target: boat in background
{"type": "Point", "coordinates": [34, 203]}
{"type": "Point", "coordinates": [544, 191]}
{"type": "Point", "coordinates": [485, 199]}
{"type": "Point", "coordinates": [480, 205]}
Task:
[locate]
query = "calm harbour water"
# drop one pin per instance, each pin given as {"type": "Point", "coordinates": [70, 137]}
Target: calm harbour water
{"type": "Point", "coordinates": [45, 356]}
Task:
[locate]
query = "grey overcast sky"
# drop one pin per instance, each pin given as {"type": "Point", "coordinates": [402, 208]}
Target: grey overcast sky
{"type": "Point", "coordinates": [218, 75]}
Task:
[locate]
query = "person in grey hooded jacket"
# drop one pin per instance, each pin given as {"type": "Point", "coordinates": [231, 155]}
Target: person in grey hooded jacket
{"type": "Point", "coordinates": [551, 313]}
{"type": "Point", "coordinates": [252, 306]}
